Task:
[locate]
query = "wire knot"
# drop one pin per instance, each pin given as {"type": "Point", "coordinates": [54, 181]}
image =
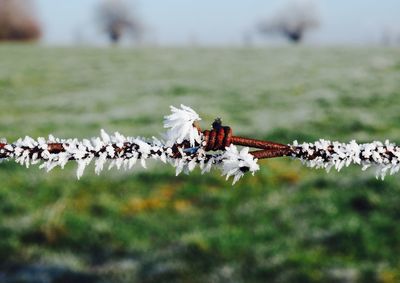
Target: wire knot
{"type": "Point", "coordinates": [218, 138]}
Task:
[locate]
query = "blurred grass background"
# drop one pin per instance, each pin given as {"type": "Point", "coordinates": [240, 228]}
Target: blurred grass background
{"type": "Point", "coordinates": [286, 224]}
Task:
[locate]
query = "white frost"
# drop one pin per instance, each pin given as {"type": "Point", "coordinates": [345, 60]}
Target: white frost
{"type": "Point", "coordinates": [385, 157]}
{"type": "Point", "coordinates": [180, 126]}
{"type": "Point", "coordinates": [235, 163]}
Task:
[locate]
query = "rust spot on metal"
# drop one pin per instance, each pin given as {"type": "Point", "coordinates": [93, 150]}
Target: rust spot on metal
{"type": "Point", "coordinates": [55, 147]}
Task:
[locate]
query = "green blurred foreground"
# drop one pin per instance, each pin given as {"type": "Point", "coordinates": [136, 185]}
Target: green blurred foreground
{"type": "Point", "coordinates": [286, 224]}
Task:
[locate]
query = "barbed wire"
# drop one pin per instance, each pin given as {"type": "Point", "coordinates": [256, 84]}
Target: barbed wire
{"type": "Point", "coordinates": [185, 146]}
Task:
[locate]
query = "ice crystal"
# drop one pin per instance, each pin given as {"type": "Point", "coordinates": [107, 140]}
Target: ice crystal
{"type": "Point", "coordinates": [235, 163]}
{"type": "Point", "coordinates": [180, 126]}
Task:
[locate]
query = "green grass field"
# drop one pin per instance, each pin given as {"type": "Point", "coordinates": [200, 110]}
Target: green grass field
{"type": "Point", "coordinates": [286, 224]}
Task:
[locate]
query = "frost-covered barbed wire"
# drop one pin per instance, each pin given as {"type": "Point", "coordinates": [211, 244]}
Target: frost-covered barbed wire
{"type": "Point", "coordinates": [186, 147]}
{"type": "Point", "coordinates": [182, 148]}
{"type": "Point", "coordinates": [385, 157]}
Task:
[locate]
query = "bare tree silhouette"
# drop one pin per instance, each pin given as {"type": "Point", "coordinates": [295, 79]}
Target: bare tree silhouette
{"type": "Point", "coordinates": [116, 19]}
{"type": "Point", "coordinates": [391, 36]}
{"type": "Point", "coordinates": [297, 18]}
{"type": "Point", "coordinates": [18, 21]}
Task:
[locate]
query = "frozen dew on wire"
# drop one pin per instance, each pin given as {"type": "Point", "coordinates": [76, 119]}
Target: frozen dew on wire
{"type": "Point", "coordinates": [235, 163]}
{"type": "Point", "coordinates": [185, 147]}
{"type": "Point", "coordinates": [180, 126]}
{"type": "Point", "coordinates": [116, 150]}
{"type": "Point", "coordinates": [385, 157]}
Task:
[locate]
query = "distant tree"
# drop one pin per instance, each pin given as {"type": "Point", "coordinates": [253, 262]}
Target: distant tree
{"type": "Point", "coordinates": [247, 38]}
{"type": "Point", "coordinates": [391, 36]}
{"type": "Point", "coordinates": [18, 21]}
{"type": "Point", "coordinates": [116, 19]}
{"type": "Point", "coordinates": [297, 18]}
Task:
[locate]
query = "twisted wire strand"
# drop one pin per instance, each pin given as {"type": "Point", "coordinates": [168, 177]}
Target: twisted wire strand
{"type": "Point", "coordinates": [326, 154]}
{"type": "Point", "coordinates": [213, 148]}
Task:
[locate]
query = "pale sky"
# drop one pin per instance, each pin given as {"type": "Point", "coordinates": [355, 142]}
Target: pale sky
{"type": "Point", "coordinates": [220, 22]}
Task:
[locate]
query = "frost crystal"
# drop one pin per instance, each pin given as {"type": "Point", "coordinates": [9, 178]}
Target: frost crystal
{"type": "Point", "coordinates": [180, 126]}
{"type": "Point", "coordinates": [236, 163]}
